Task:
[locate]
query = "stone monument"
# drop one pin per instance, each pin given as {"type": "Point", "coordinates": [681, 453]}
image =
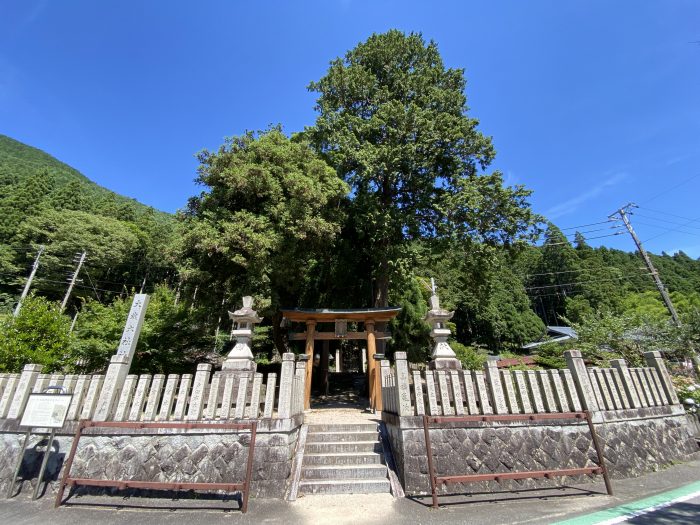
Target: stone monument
{"type": "Point", "coordinates": [121, 361]}
{"type": "Point", "coordinates": [240, 358]}
{"type": "Point", "coordinates": [443, 357]}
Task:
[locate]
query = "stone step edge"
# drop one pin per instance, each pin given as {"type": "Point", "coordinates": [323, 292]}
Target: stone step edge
{"type": "Point", "coordinates": [343, 443]}
{"type": "Point", "coordinates": [342, 427]}
{"type": "Point", "coordinates": [343, 432]}
{"type": "Point", "coordinates": [342, 454]}
{"type": "Point", "coordinates": [374, 466]}
{"type": "Point", "coordinates": [351, 481]}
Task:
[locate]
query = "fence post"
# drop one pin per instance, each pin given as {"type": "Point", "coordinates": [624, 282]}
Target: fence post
{"type": "Point", "coordinates": [24, 388]}
{"type": "Point", "coordinates": [299, 388]}
{"type": "Point", "coordinates": [403, 387]}
{"type": "Point", "coordinates": [621, 366]}
{"type": "Point", "coordinates": [284, 404]}
{"type": "Point", "coordinates": [578, 370]}
{"type": "Point", "coordinates": [386, 391]}
{"type": "Point", "coordinates": [199, 388]}
{"type": "Point", "coordinates": [654, 360]}
{"type": "Point", "coordinates": [494, 379]}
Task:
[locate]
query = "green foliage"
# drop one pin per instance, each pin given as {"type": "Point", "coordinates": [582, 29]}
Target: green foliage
{"type": "Point", "coordinates": [171, 339]}
{"type": "Point", "coordinates": [410, 333]}
{"type": "Point", "coordinates": [39, 335]}
{"type": "Point", "coordinates": [604, 335]}
{"type": "Point", "coordinates": [392, 121]}
{"type": "Point", "coordinates": [270, 212]}
{"type": "Point", "coordinates": [471, 357]}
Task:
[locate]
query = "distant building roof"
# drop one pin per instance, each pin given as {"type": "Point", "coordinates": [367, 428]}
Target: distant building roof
{"type": "Point", "coordinates": [555, 334]}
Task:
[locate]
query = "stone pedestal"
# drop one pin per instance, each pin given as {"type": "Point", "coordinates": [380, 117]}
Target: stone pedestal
{"type": "Point", "coordinates": [443, 357]}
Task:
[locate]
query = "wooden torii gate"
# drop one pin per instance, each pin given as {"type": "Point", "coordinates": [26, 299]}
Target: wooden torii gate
{"type": "Point", "coordinates": [369, 317]}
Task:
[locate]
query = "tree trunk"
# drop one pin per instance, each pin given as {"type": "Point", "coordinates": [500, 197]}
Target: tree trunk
{"type": "Point", "coordinates": [280, 342]}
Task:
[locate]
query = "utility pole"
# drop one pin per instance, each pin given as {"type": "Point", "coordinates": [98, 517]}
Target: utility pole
{"type": "Point", "coordinates": [35, 266]}
{"type": "Point", "coordinates": [622, 213]}
{"type": "Point", "coordinates": [72, 280]}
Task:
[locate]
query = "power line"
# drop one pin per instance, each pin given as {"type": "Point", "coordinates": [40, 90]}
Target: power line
{"type": "Point", "coordinates": [582, 282]}
{"type": "Point", "coordinates": [667, 221]}
{"type": "Point", "coordinates": [574, 271]}
{"type": "Point", "coordinates": [666, 228]}
{"type": "Point", "coordinates": [664, 192]}
{"type": "Point", "coordinates": [585, 238]}
{"type": "Point", "coordinates": [586, 225]}
{"type": "Point", "coordinates": [668, 213]}
{"type": "Point", "coordinates": [577, 232]}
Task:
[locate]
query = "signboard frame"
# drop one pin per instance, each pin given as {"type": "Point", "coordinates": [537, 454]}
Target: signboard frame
{"type": "Point", "coordinates": [52, 415]}
{"type": "Point", "coordinates": [26, 421]}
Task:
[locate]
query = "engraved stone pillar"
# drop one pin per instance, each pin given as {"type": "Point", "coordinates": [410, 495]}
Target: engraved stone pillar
{"type": "Point", "coordinates": [284, 403]}
{"type": "Point", "coordinates": [199, 390]}
{"type": "Point", "coordinates": [494, 379]}
{"type": "Point", "coordinates": [240, 358]}
{"type": "Point", "coordinates": [586, 394]}
{"type": "Point", "coordinates": [121, 362]}
{"type": "Point", "coordinates": [403, 386]}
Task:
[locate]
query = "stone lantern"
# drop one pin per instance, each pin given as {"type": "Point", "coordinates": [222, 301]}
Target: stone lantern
{"type": "Point", "coordinates": [443, 357]}
{"type": "Point", "coordinates": [240, 358]}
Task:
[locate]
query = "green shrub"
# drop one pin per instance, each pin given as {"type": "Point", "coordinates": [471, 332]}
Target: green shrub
{"type": "Point", "coordinates": [472, 358]}
{"type": "Point", "coordinates": [39, 334]}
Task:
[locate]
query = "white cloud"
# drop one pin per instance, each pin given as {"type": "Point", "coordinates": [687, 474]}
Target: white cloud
{"type": "Point", "coordinates": [575, 203]}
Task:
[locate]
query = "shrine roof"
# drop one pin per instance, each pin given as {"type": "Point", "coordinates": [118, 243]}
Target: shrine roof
{"type": "Point", "coordinates": [329, 315]}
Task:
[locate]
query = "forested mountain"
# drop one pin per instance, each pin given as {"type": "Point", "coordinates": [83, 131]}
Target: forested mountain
{"type": "Point", "coordinates": [46, 202]}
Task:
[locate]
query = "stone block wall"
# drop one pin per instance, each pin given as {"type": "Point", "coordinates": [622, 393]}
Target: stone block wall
{"type": "Point", "coordinates": [145, 454]}
{"type": "Point", "coordinates": [633, 441]}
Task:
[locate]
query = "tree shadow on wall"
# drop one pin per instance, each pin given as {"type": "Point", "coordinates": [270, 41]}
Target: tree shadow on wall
{"type": "Point", "coordinates": [31, 464]}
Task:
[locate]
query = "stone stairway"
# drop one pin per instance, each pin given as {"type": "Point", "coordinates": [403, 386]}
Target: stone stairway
{"type": "Point", "coordinates": [343, 458]}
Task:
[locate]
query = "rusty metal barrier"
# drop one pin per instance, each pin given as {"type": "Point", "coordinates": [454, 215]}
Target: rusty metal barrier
{"type": "Point", "coordinates": [499, 476]}
{"type": "Point", "coordinates": [243, 487]}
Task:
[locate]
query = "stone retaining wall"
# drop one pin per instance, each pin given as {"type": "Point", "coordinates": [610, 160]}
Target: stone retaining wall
{"type": "Point", "coordinates": [634, 441]}
{"type": "Point", "coordinates": [150, 455]}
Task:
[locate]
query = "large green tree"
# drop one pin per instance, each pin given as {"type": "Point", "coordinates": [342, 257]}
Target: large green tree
{"type": "Point", "coordinates": [270, 211]}
{"type": "Point", "coordinates": [393, 122]}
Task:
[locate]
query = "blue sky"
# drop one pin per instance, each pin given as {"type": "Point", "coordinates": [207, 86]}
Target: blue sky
{"type": "Point", "coordinates": [590, 104]}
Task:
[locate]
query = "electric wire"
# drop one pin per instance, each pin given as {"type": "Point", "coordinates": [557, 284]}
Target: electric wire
{"type": "Point", "coordinates": [584, 282]}
{"type": "Point", "coordinates": [664, 192]}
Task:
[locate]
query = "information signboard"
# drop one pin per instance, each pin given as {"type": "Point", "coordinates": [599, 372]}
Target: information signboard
{"type": "Point", "coordinates": [46, 410]}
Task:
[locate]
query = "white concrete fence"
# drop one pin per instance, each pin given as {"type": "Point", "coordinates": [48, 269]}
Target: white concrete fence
{"type": "Point", "coordinates": [494, 391]}
{"type": "Point", "coordinates": [175, 397]}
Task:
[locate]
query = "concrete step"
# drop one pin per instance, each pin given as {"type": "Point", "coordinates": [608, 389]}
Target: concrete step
{"type": "Point", "coordinates": [345, 458]}
{"type": "Point", "coordinates": [344, 427]}
{"type": "Point", "coordinates": [365, 435]}
{"type": "Point", "coordinates": [345, 486]}
{"type": "Point", "coordinates": [344, 472]}
{"type": "Point", "coordinates": [341, 447]}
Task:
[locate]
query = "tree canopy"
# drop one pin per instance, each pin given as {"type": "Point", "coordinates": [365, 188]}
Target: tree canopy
{"type": "Point", "coordinates": [393, 123]}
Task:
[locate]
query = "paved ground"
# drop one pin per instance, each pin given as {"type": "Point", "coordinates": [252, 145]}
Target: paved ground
{"type": "Point", "coordinates": [531, 507]}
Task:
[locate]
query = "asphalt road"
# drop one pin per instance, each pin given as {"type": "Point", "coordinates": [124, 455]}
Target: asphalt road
{"type": "Point", "coordinates": [526, 507]}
